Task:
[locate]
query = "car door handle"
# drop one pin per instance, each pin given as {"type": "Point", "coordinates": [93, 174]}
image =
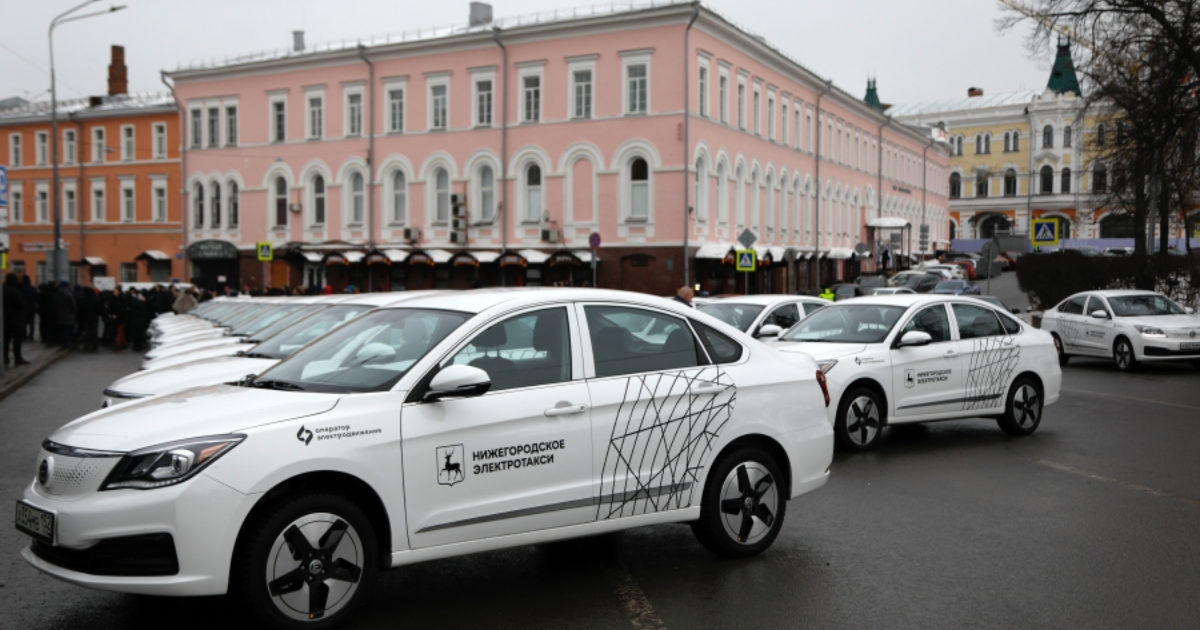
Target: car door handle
{"type": "Point", "coordinates": [708, 389]}
{"type": "Point", "coordinates": [564, 411]}
{"type": "Point", "coordinates": [950, 354]}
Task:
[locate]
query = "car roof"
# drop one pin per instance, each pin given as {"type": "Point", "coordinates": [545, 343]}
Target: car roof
{"type": "Point", "coordinates": [480, 300]}
{"type": "Point", "coordinates": [1118, 292]}
{"type": "Point", "coordinates": [376, 300]}
{"type": "Point", "coordinates": [903, 299]}
{"type": "Point", "coordinates": [765, 299]}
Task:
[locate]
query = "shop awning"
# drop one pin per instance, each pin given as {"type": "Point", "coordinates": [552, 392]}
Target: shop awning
{"type": "Point", "coordinates": [354, 257]}
{"type": "Point", "coordinates": [486, 257]}
{"type": "Point", "coordinates": [152, 254]}
{"type": "Point", "coordinates": [344, 258]}
{"type": "Point", "coordinates": [533, 256]}
{"type": "Point", "coordinates": [94, 261]}
{"type": "Point", "coordinates": [585, 256]}
{"type": "Point", "coordinates": [841, 253]}
{"type": "Point", "coordinates": [888, 222]}
{"type": "Point", "coordinates": [313, 257]}
{"type": "Point", "coordinates": [473, 259]}
{"type": "Point", "coordinates": [714, 250]}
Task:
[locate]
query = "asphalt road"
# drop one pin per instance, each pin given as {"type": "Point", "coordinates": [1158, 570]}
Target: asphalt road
{"type": "Point", "coordinates": [1089, 523]}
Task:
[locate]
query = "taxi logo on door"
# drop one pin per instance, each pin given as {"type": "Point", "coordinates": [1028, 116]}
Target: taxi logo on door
{"type": "Point", "coordinates": [449, 463]}
{"type": "Point", "coordinates": [910, 378]}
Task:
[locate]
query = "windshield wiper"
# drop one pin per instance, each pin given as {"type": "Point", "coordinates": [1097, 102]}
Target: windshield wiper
{"type": "Point", "coordinates": [254, 355]}
{"type": "Point", "coordinates": [281, 385]}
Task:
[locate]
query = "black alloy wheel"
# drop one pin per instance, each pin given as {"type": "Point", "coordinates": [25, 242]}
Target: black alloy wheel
{"type": "Point", "coordinates": [1123, 355]}
{"type": "Point", "coordinates": [1063, 357]}
{"type": "Point", "coordinates": [1023, 409]}
{"type": "Point", "coordinates": [861, 416]}
{"type": "Point", "coordinates": [743, 505]}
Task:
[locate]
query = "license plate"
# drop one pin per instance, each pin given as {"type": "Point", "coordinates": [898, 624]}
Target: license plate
{"type": "Point", "coordinates": [1190, 345]}
{"type": "Point", "coordinates": [35, 522]}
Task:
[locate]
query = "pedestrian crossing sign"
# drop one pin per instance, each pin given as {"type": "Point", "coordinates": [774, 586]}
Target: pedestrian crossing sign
{"type": "Point", "coordinates": [266, 251]}
{"type": "Point", "coordinates": [747, 260]}
{"type": "Point", "coordinates": [1045, 232]}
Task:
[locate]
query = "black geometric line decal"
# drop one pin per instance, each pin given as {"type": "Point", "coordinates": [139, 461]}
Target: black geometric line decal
{"type": "Point", "coordinates": [1069, 330]}
{"type": "Point", "coordinates": [992, 363]}
{"type": "Point", "coordinates": [662, 439]}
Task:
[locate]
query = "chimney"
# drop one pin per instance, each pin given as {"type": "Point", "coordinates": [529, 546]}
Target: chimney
{"type": "Point", "coordinates": [118, 78]}
{"type": "Point", "coordinates": [297, 41]}
{"type": "Point", "coordinates": [974, 92]}
{"type": "Point", "coordinates": [481, 14]}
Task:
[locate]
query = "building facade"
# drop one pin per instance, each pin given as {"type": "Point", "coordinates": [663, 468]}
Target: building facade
{"type": "Point", "coordinates": [119, 177]}
{"type": "Point", "coordinates": [489, 155]}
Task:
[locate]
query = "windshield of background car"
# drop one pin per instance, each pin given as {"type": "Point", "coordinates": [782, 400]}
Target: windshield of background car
{"type": "Point", "coordinates": [267, 332]}
{"type": "Point", "coordinates": [252, 326]}
{"type": "Point", "coordinates": [847, 323]}
{"type": "Point", "coordinates": [1143, 305]}
{"type": "Point", "coordinates": [296, 336]}
{"type": "Point", "coordinates": [368, 354]}
{"type": "Point", "coordinates": [846, 291]}
{"type": "Point", "coordinates": [246, 315]}
{"type": "Point", "coordinates": [950, 285]}
{"type": "Point", "coordinates": [868, 282]}
{"type": "Point", "coordinates": [740, 316]}
{"type": "Point", "coordinates": [906, 279]}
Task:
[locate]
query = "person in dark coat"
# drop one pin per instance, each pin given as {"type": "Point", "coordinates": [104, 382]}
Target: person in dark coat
{"type": "Point", "coordinates": [14, 319]}
{"type": "Point", "coordinates": [30, 293]}
{"type": "Point", "coordinates": [139, 321]}
{"type": "Point", "coordinates": [89, 319]}
{"type": "Point", "coordinates": [64, 314]}
{"type": "Point", "coordinates": [110, 330]}
{"type": "Point", "coordinates": [118, 315]}
{"type": "Point", "coordinates": [47, 321]}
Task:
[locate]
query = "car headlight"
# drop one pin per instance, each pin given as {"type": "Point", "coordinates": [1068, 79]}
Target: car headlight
{"type": "Point", "coordinates": [168, 464]}
{"type": "Point", "coordinates": [1150, 331]}
{"type": "Point", "coordinates": [826, 365]}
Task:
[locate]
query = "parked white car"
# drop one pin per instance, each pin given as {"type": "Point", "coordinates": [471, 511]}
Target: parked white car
{"type": "Point", "coordinates": [763, 316]}
{"type": "Point", "coordinates": [1126, 326]}
{"type": "Point", "coordinates": [898, 359]}
{"type": "Point", "coordinates": [447, 425]}
{"type": "Point", "coordinates": [948, 272]}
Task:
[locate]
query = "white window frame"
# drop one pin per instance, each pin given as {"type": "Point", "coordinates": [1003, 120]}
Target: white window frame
{"type": "Point", "coordinates": [483, 110]}
{"type": "Point", "coordinates": [525, 217]}
{"type": "Point", "coordinates": [390, 190]}
{"type": "Point", "coordinates": [784, 118]}
{"type": "Point", "coordinates": [395, 84]}
{"type": "Point", "coordinates": [99, 211]}
{"type": "Point", "coordinates": [70, 144]}
{"type": "Point", "coordinates": [159, 200]}
{"type": "Point", "coordinates": [433, 195]}
{"type": "Point", "coordinates": [348, 199]}
{"type": "Point", "coordinates": [703, 76]}
{"type": "Point", "coordinates": [772, 99]}
{"type": "Point", "coordinates": [16, 200]}
{"type": "Point", "coordinates": [629, 59]}
{"type": "Point", "coordinates": [723, 94]}
{"type": "Point", "coordinates": [625, 186]}
{"type": "Point", "coordinates": [357, 88]}
{"type": "Point", "coordinates": [212, 125]}
{"type": "Point", "coordinates": [722, 193]}
{"type": "Point", "coordinates": [742, 95]}
{"type": "Point", "coordinates": [233, 200]}
{"type": "Point", "coordinates": [128, 183]}
{"type": "Point", "coordinates": [70, 210]}
{"type": "Point", "coordinates": [534, 70]}
{"type": "Point", "coordinates": [310, 191]}
{"type": "Point", "coordinates": [99, 148]}
{"type": "Point", "coordinates": [195, 123]}
{"type": "Point", "coordinates": [230, 124]}
{"type": "Point", "coordinates": [477, 191]}
{"type": "Point", "coordinates": [14, 150]}
{"type": "Point", "coordinates": [41, 144]}
{"type": "Point", "coordinates": [432, 80]}
{"type": "Point", "coordinates": [756, 102]}
{"type": "Point", "coordinates": [588, 65]}
{"type": "Point", "coordinates": [273, 122]}
{"type": "Point", "coordinates": [129, 143]}
{"type": "Point", "coordinates": [808, 129]}
{"type": "Point", "coordinates": [311, 94]}
{"type": "Point", "coordinates": [160, 140]}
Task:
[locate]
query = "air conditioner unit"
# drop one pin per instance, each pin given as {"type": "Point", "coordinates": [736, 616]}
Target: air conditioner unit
{"type": "Point", "coordinates": [294, 207]}
{"type": "Point", "coordinates": [458, 224]}
{"type": "Point", "coordinates": [458, 206]}
{"type": "Point", "coordinates": [458, 238]}
{"type": "Point", "coordinates": [550, 235]}
{"type": "Point", "coordinates": [412, 234]}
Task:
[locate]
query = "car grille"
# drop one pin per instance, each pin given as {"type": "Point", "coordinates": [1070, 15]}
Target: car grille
{"type": "Point", "coordinates": [73, 477]}
{"type": "Point", "coordinates": [1183, 333]}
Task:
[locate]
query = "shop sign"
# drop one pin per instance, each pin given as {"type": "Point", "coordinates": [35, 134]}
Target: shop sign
{"type": "Point", "coordinates": [420, 259]}
{"type": "Point", "coordinates": [563, 258]}
{"type": "Point", "coordinates": [336, 259]}
{"type": "Point", "coordinates": [464, 260]}
{"type": "Point", "coordinates": [212, 249]}
{"type": "Point", "coordinates": [378, 259]}
{"type": "Point", "coordinates": [512, 260]}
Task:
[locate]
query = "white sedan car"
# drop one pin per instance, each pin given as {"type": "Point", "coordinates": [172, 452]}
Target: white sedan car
{"type": "Point", "coordinates": [906, 358]}
{"type": "Point", "coordinates": [450, 424]}
{"type": "Point", "coordinates": [1125, 326]}
{"type": "Point", "coordinates": [763, 316]}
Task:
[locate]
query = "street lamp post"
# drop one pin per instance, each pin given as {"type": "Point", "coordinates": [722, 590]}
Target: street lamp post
{"type": "Point", "coordinates": [59, 271]}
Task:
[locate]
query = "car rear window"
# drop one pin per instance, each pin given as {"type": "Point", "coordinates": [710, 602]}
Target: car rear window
{"type": "Point", "coordinates": [720, 348]}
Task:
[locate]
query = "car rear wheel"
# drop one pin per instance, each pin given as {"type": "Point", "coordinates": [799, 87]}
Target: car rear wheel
{"type": "Point", "coordinates": [306, 561]}
{"type": "Point", "coordinates": [1023, 411]}
{"type": "Point", "coordinates": [860, 419]}
{"type": "Point", "coordinates": [1123, 355]}
{"type": "Point", "coordinates": [1063, 357]}
{"type": "Point", "coordinates": [743, 505]}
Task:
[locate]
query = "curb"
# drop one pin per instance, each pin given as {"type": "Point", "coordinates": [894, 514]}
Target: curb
{"type": "Point", "coordinates": [34, 370]}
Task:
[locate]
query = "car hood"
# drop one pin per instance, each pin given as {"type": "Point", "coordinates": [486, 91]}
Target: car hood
{"type": "Point", "coordinates": [173, 339]}
{"type": "Point", "coordinates": [1173, 322]}
{"type": "Point", "coordinates": [211, 352]}
{"type": "Point", "coordinates": [193, 374]}
{"type": "Point", "coordinates": [214, 410]}
{"type": "Point", "coordinates": [820, 351]}
{"type": "Point", "coordinates": [181, 348]}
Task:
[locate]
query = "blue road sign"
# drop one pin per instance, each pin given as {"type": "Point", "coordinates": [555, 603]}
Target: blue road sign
{"type": "Point", "coordinates": [1045, 232]}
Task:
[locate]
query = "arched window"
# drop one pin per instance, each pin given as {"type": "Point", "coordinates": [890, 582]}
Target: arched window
{"type": "Point", "coordinates": [234, 205]}
{"type": "Point", "coordinates": [1099, 178]}
{"type": "Point", "coordinates": [955, 186]}
{"type": "Point", "coordinates": [358, 199]}
{"type": "Point", "coordinates": [281, 202]}
{"type": "Point", "coordinates": [784, 207]}
{"type": "Point", "coordinates": [1118, 225]}
{"type": "Point", "coordinates": [769, 219]}
{"type": "Point", "coordinates": [1047, 174]}
{"type": "Point", "coordinates": [318, 188]}
{"type": "Point", "coordinates": [1066, 181]}
{"type": "Point", "coordinates": [1048, 137]}
{"type": "Point", "coordinates": [1007, 142]}
{"type": "Point", "coordinates": [987, 143]}
{"type": "Point", "coordinates": [1016, 141]}
{"type": "Point", "coordinates": [978, 143]}
{"type": "Point", "coordinates": [198, 212]}
{"type": "Point", "coordinates": [441, 191]}
{"type": "Point", "coordinates": [214, 207]}
{"type": "Point", "coordinates": [959, 150]}
{"type": "Point", "coordinates": [1101, 130]}
{"type": "Point", "coordinates": [701, 199]}
{"type": "Point", "coordinates": [1010, 183]}
{"type": "Point", "coordinates": [740, 190]}
{"type": "Point", "coordinates": [399, 197]}
{"type": "Point", "coordinates": [487, 193]}
{"type": "Point", "coordinates": [533, 193]}
{"type": "Point", "coordinates": [722, 195]}
{"type": "Point", "coordinates": [639, 188]}
{"type": "Point", "coordinates": [1067, 137]}
{"type": "Point", "coordinates": [981, 185]}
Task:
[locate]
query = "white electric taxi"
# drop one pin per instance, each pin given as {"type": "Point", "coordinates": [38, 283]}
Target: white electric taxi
{"type": "Point", "coordinates": [449, 424]}
{"type": "Point", "coordinates": [1126, 326]}
{"type": "Point", "coordinates": [897, 359]}
{"type": "Point", "coordinates": [762, 316]}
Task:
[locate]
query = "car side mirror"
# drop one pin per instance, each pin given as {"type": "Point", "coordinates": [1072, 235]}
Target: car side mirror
{"type": "Point", "coordinates": [915, 338]}
{"type": "Point", "coordinates": [1100, 314]}
{"type": "Point", "coordinates": [1015, 311]}
{"type": "Point", "coordinates": [458, 381]}
{"type": "Point", "coordinates": [769, 330]}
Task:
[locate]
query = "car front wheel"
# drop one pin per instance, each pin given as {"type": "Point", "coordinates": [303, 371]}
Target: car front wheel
{"type": "Point", "coordinates": [1063, 357]}
{"type": "Point", "coordinates": [743, 504]}
{"type": "Point", "coordinates": [1123, 355]}
{"type": "Point", "coordinates": [306, 561]}
{"type": "Point", "coordinates": [860, 419]}
{"type": "Point", "coordinates": [1023, 411]}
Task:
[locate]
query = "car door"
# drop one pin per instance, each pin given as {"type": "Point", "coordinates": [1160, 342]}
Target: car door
{"type": "Point", "coordinates": [1070, 325]}
{"type": "Point", "coordinates": [989, 355]}
{"type": "Point", "coordinates": [657, 408]}
{"type": "Point", "coordinates": [784, 315]}
{"type": "Point", "coordinates": [1098, 332]}
{"type": "Point", "coordinates": [927, 379]}
{"type": "Point", "coordinates": [927, 283]}
{"type": "Point", "coordinates": [519, 457]}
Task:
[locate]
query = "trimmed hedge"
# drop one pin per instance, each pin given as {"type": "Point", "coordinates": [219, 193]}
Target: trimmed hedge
{"type": "Point", "coordinates": [1050, 278]}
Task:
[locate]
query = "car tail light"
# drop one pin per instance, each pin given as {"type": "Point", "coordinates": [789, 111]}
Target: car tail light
{"type": "Point", "coordinates": [824, 386]}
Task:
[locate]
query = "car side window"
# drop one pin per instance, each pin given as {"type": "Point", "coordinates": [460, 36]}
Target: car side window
{"type": "Point", "coordinates": [976, 321]}
{"type": "Point", "coordinates": [1073, 306]}
{"type": "Point", "coordinates": [631, 340]}
{"type": "Point", "coordinates": [1011, 326]}
{"type": "Point", "coordinates": [812, 307]}
{"type": "Point", "coordinates": [720, 348]}
{"type": "Point", "coordinates": [522, 351]}
{"type": "Point", "coordinates": [785, 316]}
{"type": "Point", "coordinates": [932, 320]}
{"type": "Point", "coordinates": [1095, 303]}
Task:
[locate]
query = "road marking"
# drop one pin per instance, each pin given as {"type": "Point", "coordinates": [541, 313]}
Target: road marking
{"type": "Point", "coordinates": [1124, 484]}
{"type": "Point", "coordinates": [637, 607]}
{"type": "Point", "coordinates": [1141, 400]}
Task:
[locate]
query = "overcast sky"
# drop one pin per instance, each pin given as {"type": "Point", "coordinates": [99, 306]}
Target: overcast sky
{"type": "Point", "coordinates": [918, 49]}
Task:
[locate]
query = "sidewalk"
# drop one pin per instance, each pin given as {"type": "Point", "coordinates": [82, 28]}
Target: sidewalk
{"type": "Point", "coordinates": [39, 357]}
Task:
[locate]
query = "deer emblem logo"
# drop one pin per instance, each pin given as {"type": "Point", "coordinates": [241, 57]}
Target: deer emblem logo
{"type": "Point", "coordinates": [449, 461]}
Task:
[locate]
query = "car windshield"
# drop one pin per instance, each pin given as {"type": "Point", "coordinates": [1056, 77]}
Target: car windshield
{"type": "Point", "coordinates": [296, 336]}
{"type": "Point", "coordinates": [905, 279]}
{"type": "Point", "coordinates": [950, 285]}
{"type": "Point", "coordinates": [991, 299]}
{"type": "Point", "coordinates": [847, 323]}
{"type": "Point", "coordinates": [868, 282]}
{"type": "Point", "coordinates": [845, 291]}
{"type": "Point", "coordinates": [269, 317]}
{"type": "Point", "coordinates": [1143, 305]}
{"type": "Point", "coordinates": [740, 316]}
{"type": "Point", "coordinates": [369, 354]}
{"type": "Point", "coordinates": [282, 323]}
{"type": "Point", "coordinates": [245, 315]}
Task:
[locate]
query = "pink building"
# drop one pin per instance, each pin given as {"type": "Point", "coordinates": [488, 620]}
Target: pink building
{"type": "Point", "coordinates": [486, 155]}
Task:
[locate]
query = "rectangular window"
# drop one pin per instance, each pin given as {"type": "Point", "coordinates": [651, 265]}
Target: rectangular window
{"type": "Point", "coordinates": [702, 91]}
{"type": "Point", "coordinates": [69, 146]}
{"type": "Point", "coordinates": [783, 123]}
{"type": "Point", "coordinates": [41, 207]}
{"type": "Point", "coordinates": [483, 103]}
{"type": "Point", "coordinates": [723, 98]}
{"type": "Point", "coordinates": [42, 147]}
{"type": "Point", "coordinates": [69, 204]}
{"type": "Point", "coordinates": [316, 116]}
{"type": "Point", "coordinates": [127, 143]}
{"type": "Point", "coordinates": [532, 91]}
{"type": "Point", "coordinates": [396, 110]}
{"type": "Point", "coordinates": [757, 111]}
{"type": "Point", "coordinates": [97, 204]}
{"type": "Point", "coordinates": [808, 131]}
{"type": "Point", "coordinates": [160, 141]}
{"type": "Point", "coordinates": [14, 198]}
{"type": "Point", "coordinates": [127, 209]}
{"type": "Point", "coordinates": [160, 203]}
{"type": "Point", "coordinates": [214, 127]}
{"type": "Point", "coordinates": [796, 126]}
{"type": "Point", "coordinates": [196, 131]}
{"type": "Point", "coordinates": [231, 127]}
{"type": "Point", "coordinates": [638, 87]}
{"type": "Point", "coordinates": [741, 106]}
{"type": "Point", "coordinates": [354, 114]}
{"type": "Point", "coordinates": [14, 150]}
{"type": "Point", "coordinates": [583, 93]}
{"type": "Point", "coordinates": [128, 272]}
{"type": "Point", "coordinates": [771, 117]}
{"type": "Point", "coordinates": [437, 97]}
{"type": "Point", "coordinates": [279, 121]}
{"type": "Point", "coordinates": [98, 148]}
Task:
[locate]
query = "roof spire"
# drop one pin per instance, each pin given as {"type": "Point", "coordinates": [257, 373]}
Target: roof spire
{"type": "Point", "coordinates": [1062, 75]}
{"type": "Point", "coordinates": [872, 97]}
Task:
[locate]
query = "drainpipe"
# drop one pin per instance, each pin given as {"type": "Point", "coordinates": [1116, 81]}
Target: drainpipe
{"type": "Point", "coordinates": [79, 204]}
{"type": "Point", "coordinates": [879, 173]}
{"type": "Point", "coordinates": [183, 196]}
{"type": "Point", "coordinates": [503, 149]}
{"type": "Point", "coordinates": [1028, 180]}
{"type": "Point", "coordinates": [687, 118]}
{"type": "Point", "coordinates": [362, 54]}
{"type": "Point", "coordinates": [925, 181]}
{"type": "Point", "coordinates": [817, 219]}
